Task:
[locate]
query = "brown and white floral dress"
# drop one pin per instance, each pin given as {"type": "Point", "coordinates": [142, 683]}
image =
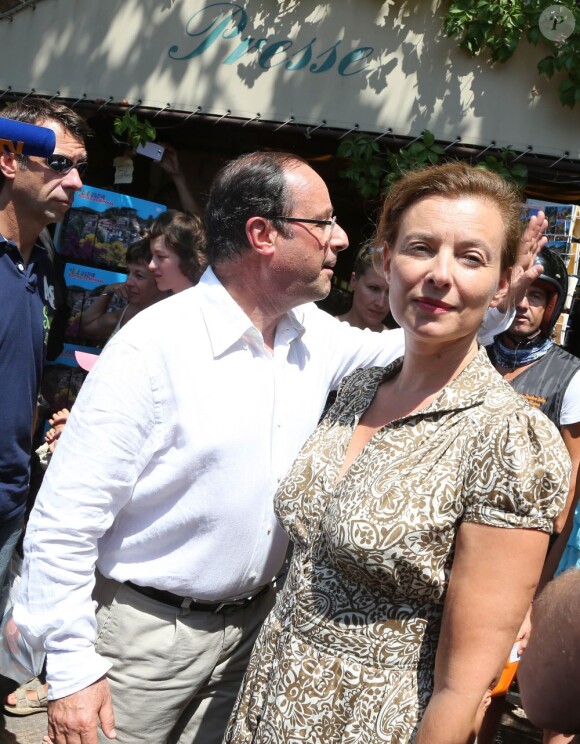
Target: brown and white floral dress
{"type": "Point", "coordinates": [347, 655]}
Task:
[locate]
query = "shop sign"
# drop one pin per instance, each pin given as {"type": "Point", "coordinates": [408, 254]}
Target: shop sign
{"type": "Point", "coordinates": [229, 21]}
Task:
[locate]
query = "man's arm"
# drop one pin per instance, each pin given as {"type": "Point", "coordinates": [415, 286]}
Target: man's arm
{"type": "Point", "coordinates": [105, 446]}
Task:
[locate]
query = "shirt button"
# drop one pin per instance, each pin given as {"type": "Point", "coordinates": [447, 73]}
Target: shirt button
{"type": "Point", "coordinates": [245, 347]}
{"type": "Point", "coordinates": [269, 530]}
{"type": "Point", "coordinates": [253, 576]}
{"type": "Point", "coordinates": [20, 266]}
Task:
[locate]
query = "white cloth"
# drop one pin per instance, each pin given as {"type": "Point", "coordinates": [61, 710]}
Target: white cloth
{"type": "Point", "coordinates": [494, 323]}
{"type": "Point", "coordinates": [165, 472]}
{"type": "Point", "coordinates": [570, 412]}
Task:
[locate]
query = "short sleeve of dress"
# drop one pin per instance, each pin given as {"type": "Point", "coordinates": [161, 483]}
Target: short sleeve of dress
{"type": "Point", "coordinates": [517, 472]}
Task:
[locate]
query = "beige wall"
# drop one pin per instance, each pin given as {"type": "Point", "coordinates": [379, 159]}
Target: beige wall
{"type": "Point", "coordinates": [391, 69]}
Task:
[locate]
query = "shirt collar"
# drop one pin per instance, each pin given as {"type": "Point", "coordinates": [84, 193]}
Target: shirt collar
{"type": "Point", "coordinates": [466, 390]}
{"type": "Point", "coordinates": [227, 323]}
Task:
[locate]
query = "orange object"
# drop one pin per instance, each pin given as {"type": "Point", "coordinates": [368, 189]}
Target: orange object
{"type": "Point", "coordinates": [509, 671]}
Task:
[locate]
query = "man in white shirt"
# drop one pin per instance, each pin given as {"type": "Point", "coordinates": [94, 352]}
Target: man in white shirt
{"type": "Point", "coordinates": [165, 473]}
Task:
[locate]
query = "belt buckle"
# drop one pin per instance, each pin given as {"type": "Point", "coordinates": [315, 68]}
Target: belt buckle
{"type": "Point", "coordinates": [234, 603]}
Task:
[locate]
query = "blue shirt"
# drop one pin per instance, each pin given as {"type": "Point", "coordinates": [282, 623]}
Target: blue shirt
{"type": "Point", "coordinates": [27, 306]}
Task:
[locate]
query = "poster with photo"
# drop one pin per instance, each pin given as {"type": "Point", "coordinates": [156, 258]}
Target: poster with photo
{"type": "Point", "coordinates": [101, 224]}
{"type": "Point", "coordinates": [561, 217]}
{"type": "Point", "coordinates": [63, 377]}
{"type": "Point", "coordinates": [84, 284]}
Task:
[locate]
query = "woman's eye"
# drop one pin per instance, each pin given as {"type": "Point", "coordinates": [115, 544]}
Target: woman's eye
{"type": "Point", "coordinates": [419, 248]}
{"type": "Point", "coordinates": [473, 258]}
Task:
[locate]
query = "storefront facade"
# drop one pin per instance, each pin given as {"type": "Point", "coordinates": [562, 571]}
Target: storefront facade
{"type": "Point", "coordinates": [352, 64]}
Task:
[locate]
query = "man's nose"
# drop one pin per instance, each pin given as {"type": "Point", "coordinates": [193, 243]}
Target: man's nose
{"type": "Point", "coordinates": [339, 239]}
{"type": "Point", "coordinates": [72, 180]}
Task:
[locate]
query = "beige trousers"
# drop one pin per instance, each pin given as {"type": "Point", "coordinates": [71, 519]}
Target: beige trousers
{"type": "Point", "coordinates": [176, 673]}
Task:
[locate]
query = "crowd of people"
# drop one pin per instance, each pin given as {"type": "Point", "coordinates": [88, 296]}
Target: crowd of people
{"type": "Point", "coordinates": [208, 559]}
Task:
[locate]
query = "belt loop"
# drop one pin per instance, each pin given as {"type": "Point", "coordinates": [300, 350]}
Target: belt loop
{"type": "Point", "coordinates": [186, 603]}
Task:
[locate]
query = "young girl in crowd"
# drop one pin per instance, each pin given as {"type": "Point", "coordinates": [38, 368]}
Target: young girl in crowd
{"type": "Point", "coordinates": [370, 293]}
{"type": "Point", "coordinates": [177, 251]}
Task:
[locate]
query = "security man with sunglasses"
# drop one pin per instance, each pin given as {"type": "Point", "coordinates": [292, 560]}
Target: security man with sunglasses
{"type": "Point", "coordinates": [34, 192]}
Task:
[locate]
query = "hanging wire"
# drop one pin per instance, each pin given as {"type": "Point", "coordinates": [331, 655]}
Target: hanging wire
{"type": "Point", "coordinates": [354, 129]}
{"type": "Point", "coordinates": [257, 117]}
{"type": "Point", "coordinates": [451, 144]}
{"type": "Point", "coordinates": [384, 134]}
{"type": "Point", "coordinates": [139, 102]}
{"type": "Point", "coordinates": [565, 155]}
{"type": "Point", "coordinates": [290, 120]}
{"type": "Point", "coordinates": [223, 116]}
{"type": "Point", "coordinates": [82, 98]}
{"type": "Point", "coordinates": [192, 113]}
{"type": "Point", "coordinates": [310, 130]}
{"type": "Point", "coordinates": [167, 105]}
{"type": "Point", "coordinates": [491, 144]}
{"type": "Point", "coordinates": [105, 103]}
{"type": "Point", "coordinates": [528, 149]}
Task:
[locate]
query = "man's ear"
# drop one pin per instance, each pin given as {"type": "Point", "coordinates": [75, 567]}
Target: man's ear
{"type": "Point", "coordinates": [260, 235]}
{"type": "Point", "coordinates": [8, 165]}
{"type": "Point", "coordinates": [502, 289]}
{"type": "Point", "coordinates": [353, 280]}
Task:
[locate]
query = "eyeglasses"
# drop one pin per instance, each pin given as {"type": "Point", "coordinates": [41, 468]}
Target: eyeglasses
{"type": "Point", "coordinates": [330, 223]}
{"type": "Point", "coordinates": [63, 165]}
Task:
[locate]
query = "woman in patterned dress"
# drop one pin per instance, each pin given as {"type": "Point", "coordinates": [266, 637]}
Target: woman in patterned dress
{"type": "Point", "coordinates": [420, 508]}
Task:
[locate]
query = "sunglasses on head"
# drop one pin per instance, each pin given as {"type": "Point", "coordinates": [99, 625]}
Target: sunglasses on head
{"type": "Point", "coordinates": [63, 165]}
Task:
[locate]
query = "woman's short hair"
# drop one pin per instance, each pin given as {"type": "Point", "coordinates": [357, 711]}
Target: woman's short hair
{"type": "Point", "coordinates": [185, 235]}
{"type": "Point", "coordinates": [139, 252]}
{"type": "Point", "coordinates": [454, 180]}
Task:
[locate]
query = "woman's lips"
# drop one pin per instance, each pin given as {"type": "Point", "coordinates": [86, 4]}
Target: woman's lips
{"type": "Point", "coordinates": [433, 306]}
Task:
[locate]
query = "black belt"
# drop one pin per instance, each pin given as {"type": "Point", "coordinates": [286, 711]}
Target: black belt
{"type": "Point", "coordinates": [187, 603]}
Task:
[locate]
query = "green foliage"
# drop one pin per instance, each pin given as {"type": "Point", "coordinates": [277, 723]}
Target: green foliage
{"type": "Point", "coordinates": [498, 27]}
{"type": "Point", "coordinates": [373, 169]}
{"type": "Point", "coordinates": [503, 164]}
{"type": "Point", "coordinates": [136, 131]}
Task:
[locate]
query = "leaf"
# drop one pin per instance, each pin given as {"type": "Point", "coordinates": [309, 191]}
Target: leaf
{"type": "Point", "coordinates": [547, 66]}
{"type": "Point", "coordinates": [417, 148]}
{"type": "Point", "coordinates": [428, 138]}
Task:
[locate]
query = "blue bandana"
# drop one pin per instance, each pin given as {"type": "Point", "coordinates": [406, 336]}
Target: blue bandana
{"type": "Point", "coordinates": [526, 353]}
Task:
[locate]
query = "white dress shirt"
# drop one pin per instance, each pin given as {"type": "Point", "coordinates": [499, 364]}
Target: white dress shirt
{"type": "Point", "coordinates": [166, 470]}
